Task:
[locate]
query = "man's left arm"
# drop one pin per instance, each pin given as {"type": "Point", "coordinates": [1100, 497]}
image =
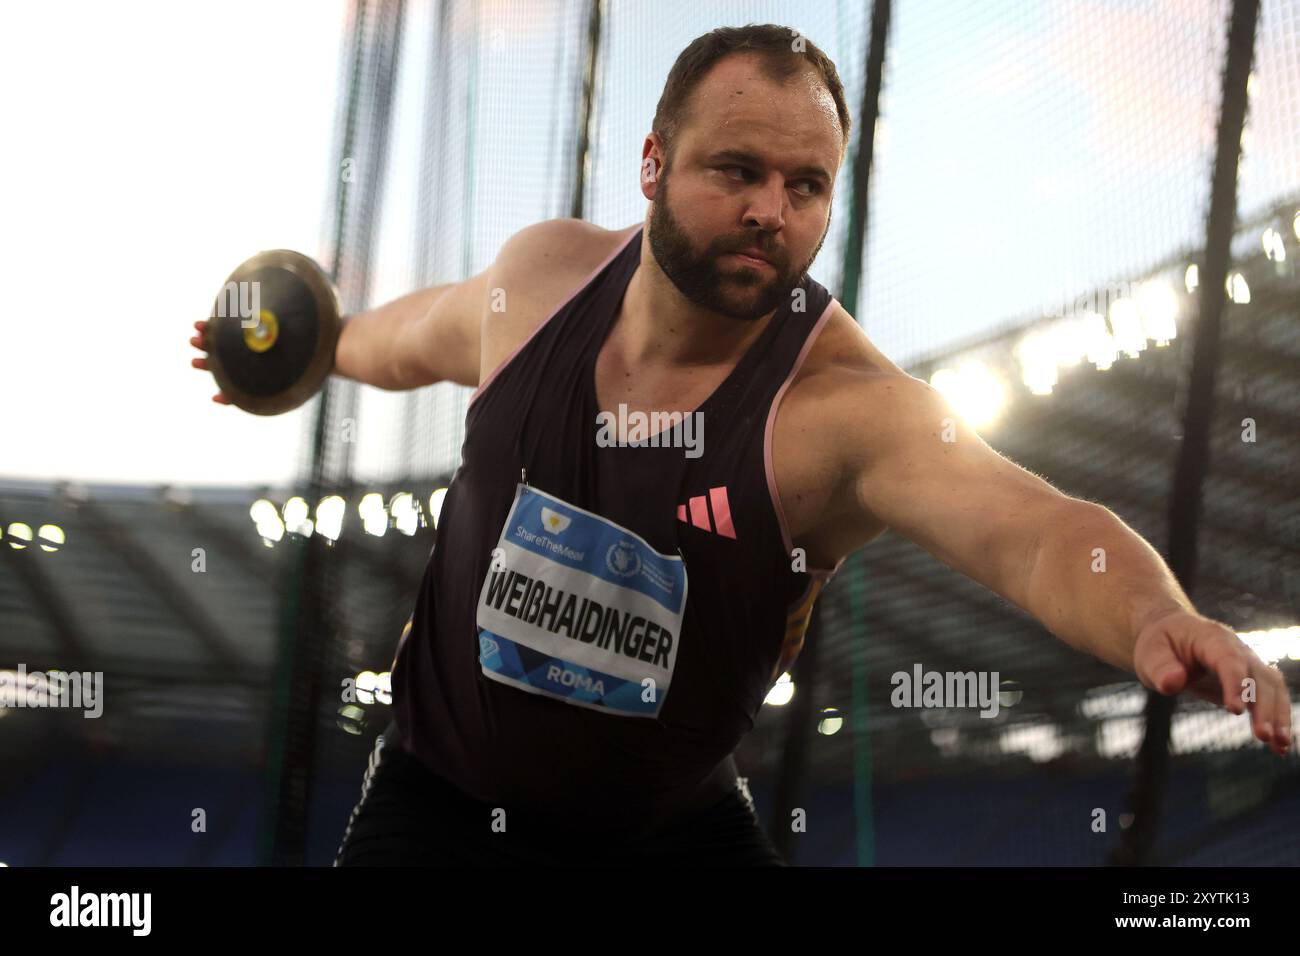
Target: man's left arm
{"type": "Point", "coordinates": [1076, 567]}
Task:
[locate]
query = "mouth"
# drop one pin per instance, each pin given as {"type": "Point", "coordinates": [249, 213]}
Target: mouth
{"type": "Point", "coordinates": [751, 257]}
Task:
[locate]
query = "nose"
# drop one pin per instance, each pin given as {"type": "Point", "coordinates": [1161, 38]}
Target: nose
{"type": "Point", "coordinates": [766, 205]}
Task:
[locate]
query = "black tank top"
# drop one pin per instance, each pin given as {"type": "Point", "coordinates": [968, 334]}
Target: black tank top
{"type": "Point", "coordinates": [714, 519]}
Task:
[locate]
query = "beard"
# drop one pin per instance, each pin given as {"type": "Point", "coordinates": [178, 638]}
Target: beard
{"type": "Point", "coordinates": [742, 292]}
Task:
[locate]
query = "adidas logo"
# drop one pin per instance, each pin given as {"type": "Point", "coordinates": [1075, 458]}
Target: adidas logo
{"type": "Point", "coordinates": [697, 512]}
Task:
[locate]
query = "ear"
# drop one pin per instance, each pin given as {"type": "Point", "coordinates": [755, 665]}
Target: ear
{"type": "Point", "coordinates": [652, 165]}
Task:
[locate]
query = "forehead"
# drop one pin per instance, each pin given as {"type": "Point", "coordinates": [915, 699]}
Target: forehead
{"type": "Point", "coordinates": [737, 103]}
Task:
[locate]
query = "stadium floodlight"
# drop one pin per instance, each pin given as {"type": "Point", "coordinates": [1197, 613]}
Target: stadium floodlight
{"type": "Point", "coordinates": [830, 723]}
{"type": "Point", "coordinates": [1043, 352]}
{"type": "Point", "coordinates": [1273, 644]}
{"type": "Point", "coordinates": [1274, 247]}
{"type": "Point", "coordinates": [435, 505]}
{"type": "Point", "coordinates": [781, 693]}
{"type": "Point", "coordinates": [1158, 304]}
{"type": "Point", "coordinates": [974, 390]}
{"type": "Point", "coordinates": [1218, 732]}
{"type": "Point", "coordinates": [20, 535]}
{"type": "Point", "coordinates": [267, 521]}
{"type": "Point", "coordinates": [1237, 289]}
{"type": "Point", "coordinates": [1101, 349]}
{"type": "Point", "coordinates": [329, 516]}
{"type": "Point", "coordinates": [1120, 737]}
{"type": "Point", "coordinates": [1126, 326]}
{"type": "Point", "coordinates": [1113, 700]}
{"type": "Point", "coordinates": [52, 537]}
{"type": "Point", "coordinates": [1037, 359]}
{"type": "Point", "coordinates": [405, 512]}
{"type": "Point", "coordinates": [351, 718]}
{"type": "Point", "coordinates": [1040, 742]}
{"type": "Point", "coordinates": [366, 684]}
{"type": "Point", "coordinates": [295, 513]}
{"type": "Point", "coordinates": [374, 516]}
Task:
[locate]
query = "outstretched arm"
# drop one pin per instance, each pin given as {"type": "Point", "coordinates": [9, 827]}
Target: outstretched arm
{"type": "Point", "coordinates": [1086, 576]}
{"type": "Point", "coordinates": [427, 336]}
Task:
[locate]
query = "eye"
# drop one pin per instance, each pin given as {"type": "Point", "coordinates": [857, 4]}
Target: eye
{"type": "Point", "coordinates": [808, 187]}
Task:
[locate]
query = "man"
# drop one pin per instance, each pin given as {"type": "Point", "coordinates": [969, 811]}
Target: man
{"type": "Point", "coordinates": [608, 604]}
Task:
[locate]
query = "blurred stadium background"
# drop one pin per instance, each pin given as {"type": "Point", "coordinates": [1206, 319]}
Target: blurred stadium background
{"type": "Point", "coordinates": [1035, 233]}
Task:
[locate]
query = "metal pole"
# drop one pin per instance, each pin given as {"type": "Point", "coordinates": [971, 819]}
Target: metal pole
{"type": "Point", "coordinates": [798, 734]}
{"type": "Point", "coordinates": [578, 203]}
{"type": "Point", "coordinates": [1138, 841]}
{"type": "Point", "coordinates": [865, 850]}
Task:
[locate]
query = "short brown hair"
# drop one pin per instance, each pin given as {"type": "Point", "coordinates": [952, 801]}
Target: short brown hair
{"type": "Point", "coordinates": [775, 45]}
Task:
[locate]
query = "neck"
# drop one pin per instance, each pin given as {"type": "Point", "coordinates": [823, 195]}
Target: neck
{"type": "Point", "coordinates": [659, 326]}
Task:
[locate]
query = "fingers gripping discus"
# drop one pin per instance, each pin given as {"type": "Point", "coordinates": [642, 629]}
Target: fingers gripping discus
{"type": "Point", "coordinates": [272, 333]}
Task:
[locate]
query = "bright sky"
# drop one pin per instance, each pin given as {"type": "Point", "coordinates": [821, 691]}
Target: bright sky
{"type": "Point", "coordinates": [153, 146]}
{"type": "Point", "coordinates": [150, 147]}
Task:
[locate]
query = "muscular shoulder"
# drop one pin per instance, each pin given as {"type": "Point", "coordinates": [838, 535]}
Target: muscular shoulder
{"type": "Point", "coordinates": [556, 253]}
{"type": "Point", "coordinates": [847, 382]}
{"type": "Point", "coordinates": [535, 270]}
{"type": "Point", "coordinates": [843, 347]}
{"type": "Point", "coordinates": [844, 402]}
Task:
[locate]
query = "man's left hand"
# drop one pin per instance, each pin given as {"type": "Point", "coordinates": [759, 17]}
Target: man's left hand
{"type": "Point", "coordinates": [1181, 650]}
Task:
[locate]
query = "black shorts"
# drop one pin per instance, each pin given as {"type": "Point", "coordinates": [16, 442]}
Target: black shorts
{"type": "Point", "coordinates": [409, 816]}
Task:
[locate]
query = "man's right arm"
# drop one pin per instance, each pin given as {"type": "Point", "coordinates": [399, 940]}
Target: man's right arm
{"type": "Point", "coordinates": [431, 335]}
{"type": "Point", "coordinates": [449, 333]}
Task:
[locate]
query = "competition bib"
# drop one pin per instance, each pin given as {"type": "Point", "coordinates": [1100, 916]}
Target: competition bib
{"type": "Point", "coordinates": [581, 609]}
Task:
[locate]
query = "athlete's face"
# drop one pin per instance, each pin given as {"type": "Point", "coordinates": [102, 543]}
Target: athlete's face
{"type": "Point", "coordinates": [753, 167]}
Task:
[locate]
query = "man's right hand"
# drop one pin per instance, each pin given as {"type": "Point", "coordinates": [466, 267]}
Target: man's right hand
{"type": "Point", "coordinates": [202, 362]}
